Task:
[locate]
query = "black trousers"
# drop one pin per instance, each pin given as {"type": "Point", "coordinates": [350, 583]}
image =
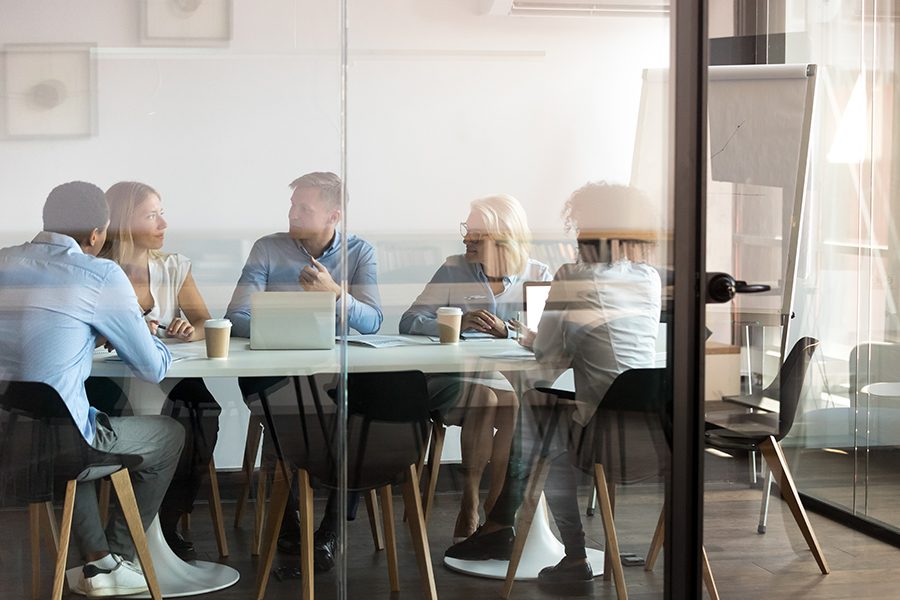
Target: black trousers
{"type": "Point", "coordinates": [548, 432]}
{"type": "Point", "coordinates": [191, 404]}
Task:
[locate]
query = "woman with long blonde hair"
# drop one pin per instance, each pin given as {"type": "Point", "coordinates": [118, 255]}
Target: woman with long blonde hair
{"type": "Point", "coordinates": [173, 306]}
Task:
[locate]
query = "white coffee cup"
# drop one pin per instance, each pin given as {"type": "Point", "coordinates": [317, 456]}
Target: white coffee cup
{"type": "Point", "coordinates": [449, 320]}
{"type": "Point", "coordinates": [218, 333]}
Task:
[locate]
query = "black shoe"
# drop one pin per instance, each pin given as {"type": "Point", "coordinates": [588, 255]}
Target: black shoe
{"type": "Point", "coordinates": [289, 543]}
{"type": "Point", "coordinates": [567, 571]}
{"type": "Point", "coordinates": [289, 537]}
{"type": "Point", "coordinates": [183, 548]}
{"type": "Point", "coordinates": [484, 546]}
{"type": "Point", "coordinates": [324, 547]}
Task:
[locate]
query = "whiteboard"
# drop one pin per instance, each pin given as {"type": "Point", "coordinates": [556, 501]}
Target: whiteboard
{"type": "Point", "coordinates": [759, 120]}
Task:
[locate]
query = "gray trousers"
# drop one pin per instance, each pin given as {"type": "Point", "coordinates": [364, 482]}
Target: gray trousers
{"type": "Point", "coordinates": [158, 440]}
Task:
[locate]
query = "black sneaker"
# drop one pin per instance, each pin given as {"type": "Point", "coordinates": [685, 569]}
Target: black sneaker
{"type": "Point", "coordinates": [484, 546]}
{"type": "Point", "coordinates": [567, 571]}
{"type": "Point", "coordinates": [324, 548]}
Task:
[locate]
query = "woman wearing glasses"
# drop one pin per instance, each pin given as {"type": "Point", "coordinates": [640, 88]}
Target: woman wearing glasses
{"type": "Point", "coordinates": [486, 284]}
{"type": "Point", "coordinates": [173, 306]}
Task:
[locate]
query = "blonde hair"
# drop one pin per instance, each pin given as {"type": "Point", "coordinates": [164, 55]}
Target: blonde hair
{"type": "Point", "coordinates": [123, 198]}
{"type": "Point", "coordinates": [592, 208]}
{"type": "Point", "coordinates": [506, 224]}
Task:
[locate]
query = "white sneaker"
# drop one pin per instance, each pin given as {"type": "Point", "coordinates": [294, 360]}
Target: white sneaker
{"type": "Point", "coordinates": [124, 579]}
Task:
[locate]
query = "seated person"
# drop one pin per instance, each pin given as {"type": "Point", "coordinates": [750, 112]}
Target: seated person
{"type": "Point", "coordinates": [307, 258]}
{"type": "Point", "coordinates": [59, 301]}
{"type": "Point", "coordinates": [486, 283]}
{"type": "Point", "coordinates": [173, 306]}
{"type": "Point", "coordinates": [601, 318]}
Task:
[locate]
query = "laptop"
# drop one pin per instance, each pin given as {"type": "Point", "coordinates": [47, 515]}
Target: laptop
{"type": "Point", "coordinates": [292, 320]}
{"type": "Point", "coordinates": [534, 295]}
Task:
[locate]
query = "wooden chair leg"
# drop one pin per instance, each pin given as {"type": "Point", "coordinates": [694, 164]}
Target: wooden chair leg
{"type": "Point", "coordinates": [708, 579]}
{"type": "Point", "coordinates": [390, 535]}
{"type": "Point", "coordinates": [306, 534]}
{"type": "Point", "coordinates": [774, 456]}
{"type": "Point", "coordinates": [524, 520]}
{"type": "Point", "coordinates": [34, 527]}
{"type": "Point", "coordinates": [251, 451]}
{"type": "Point", "coordinates": [374, 523]}
{"type": "Point", "coordinates": [59, 574]}
{"type": "Point", "coordinates": [259, 514]}
{"type": "Point", "coordinates": [413, 503]}
{"type": "Point", "coordinates": [609, 526]}
{"type": "Point", "coordinates": [215, 509]}
{"type": "Point", "coordinates": [420, 468]}
{"type": "Point", "coordinates": [52, 530]}
{"type": "Point", "coordinates": [103, 501]}
{"type": "Point", "coordinates": [608, 566]}
{"type": "Point", "coordinates": [438, 434]}
{"type": "Point", "coordinates": [656, 543]}
{"type": "Point", "coordinates": [280, 491]}
{"type": "Point", "coordinates": [121, 481]}
{"type": "Point", "coordinates": [186, 522]}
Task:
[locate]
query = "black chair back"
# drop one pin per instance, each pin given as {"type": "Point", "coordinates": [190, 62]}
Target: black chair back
{"type": "Point", "coordinates": [788, 384]}
{"type": "Point", "coordinates": [387, 428]}
{"type": "Point", "coordinates": [41, 443]}
{"type": "Point", "coordinates": [630, 434]}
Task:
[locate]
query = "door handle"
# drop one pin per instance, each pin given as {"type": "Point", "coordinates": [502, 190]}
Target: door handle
{"type": "Point", "coordinates": [721, 287]}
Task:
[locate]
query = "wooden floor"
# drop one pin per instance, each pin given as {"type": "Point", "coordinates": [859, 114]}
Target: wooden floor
{"type": "Point", "coordinates": [746, 565]}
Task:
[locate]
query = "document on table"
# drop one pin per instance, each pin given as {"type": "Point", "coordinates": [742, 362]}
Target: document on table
{"type": "Point", "coordinates": [388, 341]}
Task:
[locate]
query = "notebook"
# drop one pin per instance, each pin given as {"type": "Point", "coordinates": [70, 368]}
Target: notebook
{"type": "Point", "coordinates": [292, 320]}
{"type": "Point", "coordinates": [534, 296]}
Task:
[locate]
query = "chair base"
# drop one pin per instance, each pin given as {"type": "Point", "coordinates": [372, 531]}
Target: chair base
{"type": "Point", "coordinates": [176, 578]}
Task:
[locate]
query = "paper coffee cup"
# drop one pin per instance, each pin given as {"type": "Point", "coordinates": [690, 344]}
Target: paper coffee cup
{"type": "Point", "coordinates": [218, 333]}
{"type": "Point", "coordinates": [449, 319]}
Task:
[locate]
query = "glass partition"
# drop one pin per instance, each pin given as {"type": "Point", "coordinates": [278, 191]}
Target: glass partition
{"type": "Point", "coordinates": [495, 155]}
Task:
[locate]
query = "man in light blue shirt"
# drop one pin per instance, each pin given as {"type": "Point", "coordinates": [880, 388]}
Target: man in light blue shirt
{"type": "Point", "coordinates": [307, 257]}
{"type": "Point", "coordinates": [57, 302]}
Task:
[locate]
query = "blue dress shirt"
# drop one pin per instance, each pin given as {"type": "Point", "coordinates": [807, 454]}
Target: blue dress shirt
{"type": "Point", "coordinates": [464, 285]}
{"type": "Point", "coordinates": [275, 263]}
{"type": "Point", "coordinates": [54, 301]}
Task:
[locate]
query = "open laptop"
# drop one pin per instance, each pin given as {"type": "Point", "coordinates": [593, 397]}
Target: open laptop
{"type": "Point", "coordinates": [534, 297]}
{"type": "Point", "coordinates": [292, 321]}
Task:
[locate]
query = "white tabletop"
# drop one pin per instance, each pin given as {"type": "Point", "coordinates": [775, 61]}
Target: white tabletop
{"type": "Point", "coordinates": [464, 357]}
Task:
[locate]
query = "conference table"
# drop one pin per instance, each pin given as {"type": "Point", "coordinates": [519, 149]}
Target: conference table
{"type": "Point", "coordinates": [178, 578]}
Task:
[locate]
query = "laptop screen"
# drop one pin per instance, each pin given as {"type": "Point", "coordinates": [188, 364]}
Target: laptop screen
{"type": "Point", "coordinates": [535, 297]}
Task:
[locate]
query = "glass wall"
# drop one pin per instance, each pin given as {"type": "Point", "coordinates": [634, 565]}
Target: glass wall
{"type": "Point", "coordinates": [816, 369]}
{"type": "Point", "coordinates": [429, 169]}
{"type": "Point", "coordinates": [851, 233]}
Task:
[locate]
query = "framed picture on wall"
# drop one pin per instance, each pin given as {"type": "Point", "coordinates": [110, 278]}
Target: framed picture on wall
{"type": "Point", "coordinates": [50, 91]}
{"type": "Point", "coordinates": [186, 22]}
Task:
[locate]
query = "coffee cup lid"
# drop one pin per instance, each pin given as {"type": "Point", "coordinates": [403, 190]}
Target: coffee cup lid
{"type": "Point", "coordinates": [217, 323]}
{"type": "Point", "coordinates": [449, 310]}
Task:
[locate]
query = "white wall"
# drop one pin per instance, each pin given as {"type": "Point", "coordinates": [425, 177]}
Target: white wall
{"type": "Point", "coordinates": [444, 105]}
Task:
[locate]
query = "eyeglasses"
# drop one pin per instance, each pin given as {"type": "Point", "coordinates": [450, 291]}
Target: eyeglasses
{"type": "Point", "coordinates": [463, 229]}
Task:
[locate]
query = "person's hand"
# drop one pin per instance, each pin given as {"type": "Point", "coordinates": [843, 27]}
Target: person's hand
{"type": "Point", "coordinates": [526, 336]}
{"type": "Point", "coordinates": [485, 322]}
{"type": "Point", "coordinates": [317, 279]}
{"type": "Point", "coordinates": [180, 329]}
{"type": "Point", "coordinates": [153, 325]}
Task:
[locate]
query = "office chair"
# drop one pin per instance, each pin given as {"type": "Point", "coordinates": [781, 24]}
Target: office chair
{"type": "Point", "coordinates": [633, 392]}
{"type": "Point", "coordinates": [387, 427]}
{"type": "Point", "coordinates": [763, 432]}
{"type": "Point", "coordinates": [51, 445]}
